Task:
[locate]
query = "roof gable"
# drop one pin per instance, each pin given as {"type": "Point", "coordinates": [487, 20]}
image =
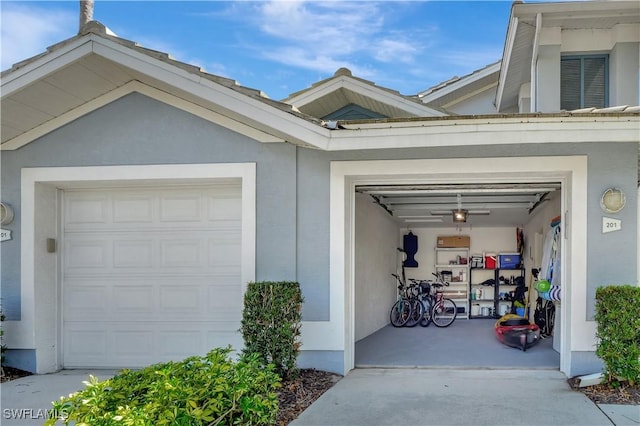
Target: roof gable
{"type": "Point", "coordinates": [80, 74]}
{"type": "Point", "coordinates": [332, 94]}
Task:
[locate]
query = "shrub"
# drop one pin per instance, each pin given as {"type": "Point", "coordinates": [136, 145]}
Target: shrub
{"type": "Point", "coordinates": [271, 324]}
{"type": "Point", "coordinates": [618, 317]}
{"type": "Point", "coordinates": [196, 391]}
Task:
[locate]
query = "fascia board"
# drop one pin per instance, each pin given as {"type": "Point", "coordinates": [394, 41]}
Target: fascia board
{"type": "Point", "coordinates": [506, 59]}
{"type": "Point", "coordinates": [45, 65]}
{"type": "Point", "coordinates": [146, 90]}
{"type": "Point", "coordinates": [273, 120]}
{"type": "Point", "coordinates": [317, 92]}
{"type": "Point", "coordinates": [461, 84]}
{"type": "Point", "coordinates": [576, 9]}
{"type": "Point", "coordinates": [511, 131]}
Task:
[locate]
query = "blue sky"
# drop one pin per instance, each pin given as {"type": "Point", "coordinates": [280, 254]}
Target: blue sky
{"type": "Point", "coordinates": [281, 47]}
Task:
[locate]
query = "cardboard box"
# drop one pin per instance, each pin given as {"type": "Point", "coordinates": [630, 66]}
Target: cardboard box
{"type": "Point", "coordinates": [453, 241]}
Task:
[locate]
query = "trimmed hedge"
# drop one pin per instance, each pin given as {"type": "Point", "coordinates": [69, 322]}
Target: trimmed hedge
{"type": "Point", "coordinates": [618, 317]}
{"type": "Point", "coordinates": [271, 324]}
{"type": "Point", "coordinates": [209, 390]}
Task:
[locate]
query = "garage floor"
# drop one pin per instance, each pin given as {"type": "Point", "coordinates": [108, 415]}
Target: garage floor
{"type": "Point", "coordinates": [464, 344]}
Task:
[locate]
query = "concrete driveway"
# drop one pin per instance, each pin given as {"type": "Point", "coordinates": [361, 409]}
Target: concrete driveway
{"type": "Point", "coordinates": [460, 397]}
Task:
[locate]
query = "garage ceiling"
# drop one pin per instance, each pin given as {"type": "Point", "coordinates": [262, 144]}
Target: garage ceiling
{"type": "Point", "coordinates": [432, 205]}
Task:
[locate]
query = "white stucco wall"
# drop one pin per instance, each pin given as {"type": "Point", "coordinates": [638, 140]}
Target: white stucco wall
{"type": "Point", "coordinates": [376, 238]}
{"type": "Point", "coordinates": [624, 66]}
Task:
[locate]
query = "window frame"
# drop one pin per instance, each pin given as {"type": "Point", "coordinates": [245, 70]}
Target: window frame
{"type": "Point", "coordinates": [582, 58]}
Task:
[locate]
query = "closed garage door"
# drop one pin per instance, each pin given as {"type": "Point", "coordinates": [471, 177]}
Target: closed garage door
{"type": "Point", "coordinates": [150, 274]}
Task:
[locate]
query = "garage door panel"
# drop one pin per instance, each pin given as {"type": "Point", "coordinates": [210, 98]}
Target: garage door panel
{"type": "Point", "coordinates": [82, 300]}
{"type": "Point", "coordinates": [181, 208]}
{"type": "Point", "coordinates": [136, 254]}
{"type": "Point", "coordinates": [220, 339]}
{"type": "Point", "coordinates": [130, 300]}
{"type": "Point", "coordinates": [86, 254]}
{"type": "Point", "coordinates": [84, 210]}
{"type": "Point", "coordinates": [132, 344]}
{"type": "Point", "coordinates": [181, 299]}
{"type": "Point", "coordinates": [223, 210]}
{"type": "Point", "coordinates": [91, 343]}
{"type": "Point", "coordinates": [185, 253]}
{"type": "Point", "coordinates": [133, 209]}
{"type": "Point", "coordinates": [150, 274]}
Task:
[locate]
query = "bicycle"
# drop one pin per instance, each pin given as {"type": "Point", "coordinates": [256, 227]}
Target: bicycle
{"type": "Point", "coordinates": [443, 310]}
{"type": "Point", "coordinates": [402, 309]}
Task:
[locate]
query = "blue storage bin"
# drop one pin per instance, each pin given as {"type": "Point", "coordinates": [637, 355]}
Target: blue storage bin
{"type": "Point", "coordinates": [509, 260]}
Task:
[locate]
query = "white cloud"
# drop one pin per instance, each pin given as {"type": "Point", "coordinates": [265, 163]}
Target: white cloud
{"type": "Point", "coordinates": [324, 36]}
{"type": "Point", "coordinates": [28, 30]}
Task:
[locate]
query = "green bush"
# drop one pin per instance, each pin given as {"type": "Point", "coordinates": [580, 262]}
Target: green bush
{"type": "Point", "coordinates": [618, 317]}
{"type": "Point", "coordinates": [209, 390]}
{"type": "Point", "coordinates": [271, 324]}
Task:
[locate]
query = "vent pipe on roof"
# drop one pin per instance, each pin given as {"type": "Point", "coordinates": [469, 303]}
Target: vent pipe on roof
{"type": "Point", "coordinates": [86, 13]}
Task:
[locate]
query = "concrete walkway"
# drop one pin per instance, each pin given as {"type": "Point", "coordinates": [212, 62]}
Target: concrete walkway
{"type": "Point", "coordinates": [27, 401]}
{"type": "Point", "coordinates": [386, 397]}
{"type": "Point", "coordinates": [460, 397]}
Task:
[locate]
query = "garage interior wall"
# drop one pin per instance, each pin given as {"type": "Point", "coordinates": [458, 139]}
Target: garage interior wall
{"type": "Point", "coordinates": [489, 240]}
{"type": "Point", "coordinates": [376, 240]}
{"type": "Point", "coordinates": [538, 227]}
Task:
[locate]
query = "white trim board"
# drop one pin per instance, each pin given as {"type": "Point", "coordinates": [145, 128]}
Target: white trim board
{"type": "Point", "coordinates": [577, 333]}
{"type": "Point", "coordinates": [23, 334]}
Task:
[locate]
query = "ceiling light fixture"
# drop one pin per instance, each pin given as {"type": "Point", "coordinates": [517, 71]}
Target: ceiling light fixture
{"type": "Point", "coordinates": [460, 215]}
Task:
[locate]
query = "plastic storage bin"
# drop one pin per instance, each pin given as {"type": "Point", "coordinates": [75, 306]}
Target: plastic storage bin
{"type": "Point", "coordinates": [490, 261]}
{"type": "Point", "coordinates": [509, 260]}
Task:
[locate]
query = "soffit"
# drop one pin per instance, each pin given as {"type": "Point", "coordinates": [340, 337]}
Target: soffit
{"type": "Point", "coordinates": [78, 71]}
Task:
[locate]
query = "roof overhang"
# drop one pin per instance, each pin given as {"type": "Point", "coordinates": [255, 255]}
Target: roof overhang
{"type": "Point", "coordinates": [459, 89]}
{"type": "Point", "coordinates": [505, 129]}
{"type": "Point", "coordinates": [343, 89]}
{"type": "Point", "coordinates": [523, 22]}
{"type": "Point", "coordinates": [81, 74]}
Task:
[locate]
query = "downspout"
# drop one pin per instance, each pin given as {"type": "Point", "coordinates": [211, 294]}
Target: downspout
{"type": "Point", "coordinates": [534, 65]}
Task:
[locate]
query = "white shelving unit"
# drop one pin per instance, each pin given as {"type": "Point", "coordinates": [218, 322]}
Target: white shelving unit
{"type": "Point", "coordinates": [455, 260]}
{"type": "Point", "coordinates": [482, 296]}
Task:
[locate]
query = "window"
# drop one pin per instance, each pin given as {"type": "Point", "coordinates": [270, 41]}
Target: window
{"type": "Point", "coordinates": [584, 82]}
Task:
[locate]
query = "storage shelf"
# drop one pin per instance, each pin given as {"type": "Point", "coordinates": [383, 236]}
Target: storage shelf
{"type": "Point", "coordinates": [479, 275]}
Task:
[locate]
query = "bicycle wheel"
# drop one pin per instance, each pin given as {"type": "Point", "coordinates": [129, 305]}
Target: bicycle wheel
{"type": "Point", "coordinates": [417, 312]}
{"type": "Point", "coordinates": [444, 313]}
{"type": "Point", "coordinates": [426, 315]}
{"type": "Point", "coordinates": [400, 313]}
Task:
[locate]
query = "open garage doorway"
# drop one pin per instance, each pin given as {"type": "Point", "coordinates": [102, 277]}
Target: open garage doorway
{"type": "Point", "coordinates": [350, 264]}
{"type": "Point", "coordinates": [416, 218]}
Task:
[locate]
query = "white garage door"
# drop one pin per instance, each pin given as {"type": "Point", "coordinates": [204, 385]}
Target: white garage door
{"type": "Point", "coordinates": [150, 274]}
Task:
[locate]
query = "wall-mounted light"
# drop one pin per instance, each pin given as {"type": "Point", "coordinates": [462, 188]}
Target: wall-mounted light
{"type": "Point", "coordinates": [460, 215]}
{"type": "Point", "coordinates": [613, 200]}
{"type": "Point", "coordinates": [6, 214]}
